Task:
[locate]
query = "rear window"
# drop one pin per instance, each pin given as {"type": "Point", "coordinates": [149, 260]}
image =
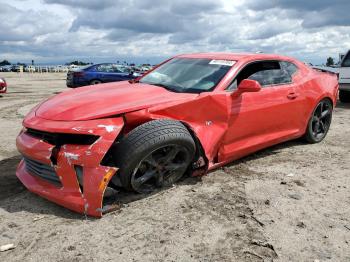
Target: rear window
{"type": "Point", "coordinates": [84, 67]}
{"type": "Point", "coordinates": [289, 67]}
{"type": "Point", "coordinates": [346, 60]}
{"type": "Point", "coordinates": [271, 77]}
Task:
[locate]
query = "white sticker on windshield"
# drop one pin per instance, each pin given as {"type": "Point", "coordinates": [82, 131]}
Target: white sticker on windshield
{"type": "Point", "coordinates": [222, 62]}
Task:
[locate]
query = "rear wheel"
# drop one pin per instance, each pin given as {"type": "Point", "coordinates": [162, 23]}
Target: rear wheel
{"type": "Point", "coordinates": [319, 122]}
{"type": "Point", "coordinates": [95, 82]}
{"type": "Point", "coordinates": [344, 96]}
{"type": "Point", "coordinates": [153, 155]}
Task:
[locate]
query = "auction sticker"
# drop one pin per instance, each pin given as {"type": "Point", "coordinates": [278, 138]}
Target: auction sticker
{"type": "Point", "coordinates": [222, 62]}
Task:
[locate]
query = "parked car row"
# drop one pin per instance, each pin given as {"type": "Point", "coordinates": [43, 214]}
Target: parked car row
{"type": "Point", "coordinates": [16, 68]}
{"type": "Point", "coordinates": [36, 68]}
{"type": "Point", "coordinates": [7, 68]}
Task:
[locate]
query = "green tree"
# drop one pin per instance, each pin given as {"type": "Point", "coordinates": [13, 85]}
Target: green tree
{"type": "Point", "coordinates": [4, 63]}
{"type": "Point", "coordinates": [330, 61]}
{"type": "Point", "coordinates": [79, 63]}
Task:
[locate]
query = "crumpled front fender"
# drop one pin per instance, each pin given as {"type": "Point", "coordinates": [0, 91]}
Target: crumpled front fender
{"type": "Point", "coordinates": [207, 116]}
{"type": "Point", "coordinates": [87, 157]}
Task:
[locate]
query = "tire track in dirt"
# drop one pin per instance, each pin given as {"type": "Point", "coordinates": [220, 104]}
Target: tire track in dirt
{"type": "Point", "coordinates": [9, 183]}
{"type": "Point", "coordinates": [242, 236]}
{"type": "Point", "coordinates": [11, 112]}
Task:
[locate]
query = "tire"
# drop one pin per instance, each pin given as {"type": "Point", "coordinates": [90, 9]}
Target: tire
{"type": "Point", "coordinates": [95, 82]}
{"type": "Point", "coordinates": [319, 122]}
{"type": "Point", "coordinates": [155, 154]}
{"type": "Point", "coordinates": [344, 96]}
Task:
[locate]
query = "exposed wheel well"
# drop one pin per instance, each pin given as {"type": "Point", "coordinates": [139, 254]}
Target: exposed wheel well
{"type": "Point", "coordinates": [199, 148]}
{"type": "Point", "coordinates": [107, 160]}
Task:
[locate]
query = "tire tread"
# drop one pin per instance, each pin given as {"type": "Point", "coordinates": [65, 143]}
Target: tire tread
{"type": "Point", "coordinates": [146, 136]}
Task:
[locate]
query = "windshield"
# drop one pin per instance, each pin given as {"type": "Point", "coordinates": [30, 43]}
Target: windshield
{"type": "Point", "coordinates": [189, 75]}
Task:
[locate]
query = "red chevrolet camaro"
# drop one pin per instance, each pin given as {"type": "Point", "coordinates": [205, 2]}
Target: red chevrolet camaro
{"type": "Point", "coordinates": [190, 114]}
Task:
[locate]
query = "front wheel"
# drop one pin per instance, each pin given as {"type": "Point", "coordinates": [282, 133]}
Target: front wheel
{"type": "Point", "coordinates": [319, 122]}
{"type": "Point", "coordinates": [95, 82]}
{"type": "Point", "coordinates": [153, 155]}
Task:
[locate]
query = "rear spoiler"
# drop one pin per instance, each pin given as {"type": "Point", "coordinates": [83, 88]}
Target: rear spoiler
{"type": "Point", "coordinates": [325, 70]}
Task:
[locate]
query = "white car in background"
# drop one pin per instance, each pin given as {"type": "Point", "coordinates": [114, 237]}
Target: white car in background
{"type": "Point", "coordinates": [344, 79]}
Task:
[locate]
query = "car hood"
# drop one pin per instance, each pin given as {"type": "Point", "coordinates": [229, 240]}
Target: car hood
{"type": "Point", "coordinates": [105, 100]}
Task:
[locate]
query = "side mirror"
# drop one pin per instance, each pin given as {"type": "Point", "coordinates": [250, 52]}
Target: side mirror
{"type": "Point", "coordinates": [248, 85]}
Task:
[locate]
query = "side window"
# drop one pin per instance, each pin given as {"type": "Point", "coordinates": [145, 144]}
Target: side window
{"type": "Point", "coordinates": [92, 68]}
{"type": "Point", "coordinates": [115, 69]}
{"type": "Point", "coordinates": [104, 68]}
{"type": "Point", "coordinates": [120, 69]}
{"type": "Point", "coordinates": [100, 68]}
{"type": "Point", "coordinates": [265, 72]}
{"type": "Point", "coordinates": [289, 67]}
{"type": "Point", "coordinates": [346, 60]}
{"type": "Point", "coordinates": [111, 68]}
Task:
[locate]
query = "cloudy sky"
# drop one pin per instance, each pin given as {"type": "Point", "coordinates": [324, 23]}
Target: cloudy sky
{"type": "Point", "coordinates": [58, 31]}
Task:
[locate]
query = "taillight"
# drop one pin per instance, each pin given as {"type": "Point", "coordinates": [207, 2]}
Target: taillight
{"type": "Point", "coordinates": [78, 74]}
{"type": "Point", "coordinates": [2, 83]}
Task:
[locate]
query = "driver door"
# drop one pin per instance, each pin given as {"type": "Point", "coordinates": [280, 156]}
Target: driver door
{"type": "Point", "coordinates": [263, 118]}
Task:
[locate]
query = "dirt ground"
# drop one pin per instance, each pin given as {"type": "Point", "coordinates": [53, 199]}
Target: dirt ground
{"type": "Point", "coordinates": [286, 203]}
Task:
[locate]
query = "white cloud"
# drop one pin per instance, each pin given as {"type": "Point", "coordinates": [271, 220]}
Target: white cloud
{"type": "Point", "coordinates": [143, 30]}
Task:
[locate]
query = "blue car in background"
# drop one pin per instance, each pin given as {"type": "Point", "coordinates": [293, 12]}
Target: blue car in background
{"type": "Point", "coordinates": [99, 73]}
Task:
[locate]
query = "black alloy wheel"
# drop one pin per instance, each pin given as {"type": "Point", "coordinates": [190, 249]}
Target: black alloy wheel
{"type": "Point", "coordinates": [320, 122]}
{"type": "Point", "coordinates": [161, 168]}
{"type": "Point", "coordinates": [153, 155]}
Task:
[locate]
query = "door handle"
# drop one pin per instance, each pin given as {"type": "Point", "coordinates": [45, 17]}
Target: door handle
{"type": "Point", "coordinates": [292, 95]}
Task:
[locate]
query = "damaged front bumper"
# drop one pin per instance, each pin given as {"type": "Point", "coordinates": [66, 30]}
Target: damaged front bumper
{"type": "Point", "coordinates": [70, 175]}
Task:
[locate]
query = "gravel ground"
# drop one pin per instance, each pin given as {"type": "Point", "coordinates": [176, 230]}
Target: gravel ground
{"type": "Point", "coordinates": [286, 203]}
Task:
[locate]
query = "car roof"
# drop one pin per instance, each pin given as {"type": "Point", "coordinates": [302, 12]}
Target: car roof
{"type": "Point", "coordinates": [108, 64]}
{"type": "Point", "coordinates": [236, 56]}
